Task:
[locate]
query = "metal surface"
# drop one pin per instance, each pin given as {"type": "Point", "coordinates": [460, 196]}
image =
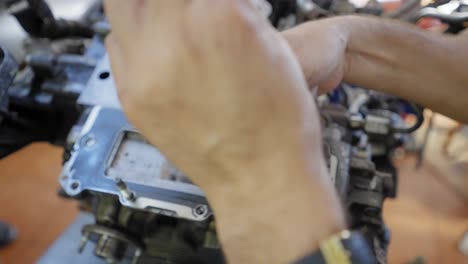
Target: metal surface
{"type": "Point", "coordinates": [92, 167]}
{"type": "Point", "coordinates": [129, 167]}
{"type": "Point", "coordinates": [13, 36]}
{"type": "Point", "coordinates": [101, 88]}
{"type": "Point", "coordinates": [111, 245]}
{"type": "Point", "coordinates": [65, 249]}
{"type": "Point", "coordinates": [338, 152]}
{"type": "Point", "coordinates": [66, 246]}
{"type": "Point", "coordinates": [135, 160]}
{"type": "Point", "coordinates": [69, 72]}
{"type": "Point", "coordinates": [8, 69]}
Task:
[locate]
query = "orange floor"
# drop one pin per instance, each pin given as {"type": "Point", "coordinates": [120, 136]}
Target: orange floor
{"type": "Point", "coordinates": [427, 220]}
{"type": "Point", "coordinates": [28, 199]}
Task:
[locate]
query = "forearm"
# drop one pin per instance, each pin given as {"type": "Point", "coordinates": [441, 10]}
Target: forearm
{"type": "Point", "coordinates": [399, 59]}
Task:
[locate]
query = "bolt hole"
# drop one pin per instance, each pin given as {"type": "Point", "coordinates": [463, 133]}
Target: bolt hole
{"type": "Point", "coordinates": [104, 75]}
{"type": "Point", "coordinates": [75, 185]}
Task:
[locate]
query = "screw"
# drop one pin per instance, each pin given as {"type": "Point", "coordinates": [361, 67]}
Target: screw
{"type": "Point", "coordinates": [75, 185]}
{"type": "Point", "coordinates": [200, 210]}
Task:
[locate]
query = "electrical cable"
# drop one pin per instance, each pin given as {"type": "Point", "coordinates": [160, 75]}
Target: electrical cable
{"type": "Point", "coordinates": [419, 121]}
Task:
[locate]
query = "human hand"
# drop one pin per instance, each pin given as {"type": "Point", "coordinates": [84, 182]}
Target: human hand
{"type": "Point", "coordinates": [220, 93]}
{"type": "Point", "coordinates": [212, 91]}
{"type": "Point", "coordinates": [320, 47]}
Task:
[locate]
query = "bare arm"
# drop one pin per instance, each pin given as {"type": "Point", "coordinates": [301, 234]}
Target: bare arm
{"type": "Point", "coordinates": [392, 57]}
{"type": "Point", "coordinates": [423, 67]}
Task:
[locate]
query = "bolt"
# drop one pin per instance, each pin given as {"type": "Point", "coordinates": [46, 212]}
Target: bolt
{"type": "Point", "coordinates": [75, 185]}
{"type": "Point", "coordinates": [200, 210]}
{"type": "Point", "coordinates": [84, 241]}
{"type": "Point", "coordinates": [101, 246]}
{"type": "Point", "coordinates": [356, 121]}
{"type": "Point", "coordinates": [124, 190]}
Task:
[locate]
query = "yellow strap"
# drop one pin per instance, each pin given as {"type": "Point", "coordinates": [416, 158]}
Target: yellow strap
{"type": "Point", "coordinates": [333, 251]}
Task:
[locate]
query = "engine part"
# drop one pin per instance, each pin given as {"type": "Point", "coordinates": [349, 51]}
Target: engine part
{"type": "Point", "coordinates": [110, 157]}
{"type": "Point", "coordinates": [37, 20]}
{"type": "Point", "coordinates": [145, 209]}
{"type": "Point", "coordinates": [8, 70]}
{"type": "Point", "coordinates": [456, 21]}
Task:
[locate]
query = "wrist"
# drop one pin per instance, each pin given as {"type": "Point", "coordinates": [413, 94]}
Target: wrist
{"type": "Point", "coordinates": [349, 29]}
{"type": "Point", "coordinates": [277, 219]}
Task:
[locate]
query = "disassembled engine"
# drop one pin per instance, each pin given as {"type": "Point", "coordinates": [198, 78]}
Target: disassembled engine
{"type": "Point", "coordinates": [147, 211]}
